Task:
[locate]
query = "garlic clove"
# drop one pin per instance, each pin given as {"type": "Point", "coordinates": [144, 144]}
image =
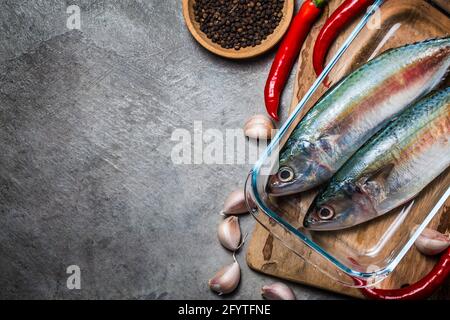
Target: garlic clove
{"type": "Point", "coordinates": [235, 203]}
{"type": "Point", "coordinates": [229, 233]}
{"type": "Point", "coordinates": [277, 291]}
{"type": "Point", "coordinates": [259, 127]}
{"type": "Point", "coordinates": [258, 132]}
{"type": "Point", "coordinates": [258, 119]}
{"type": "Point", "coordinates": [432, 242]}
{"type": "Point", "coordinates": [226, 279]}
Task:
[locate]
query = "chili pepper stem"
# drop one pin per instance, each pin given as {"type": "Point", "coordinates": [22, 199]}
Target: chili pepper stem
{"type": "Point", "coordinates": [319, 3]}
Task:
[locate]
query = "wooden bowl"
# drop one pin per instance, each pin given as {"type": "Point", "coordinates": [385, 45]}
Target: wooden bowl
{"type": "Point", "coordinates": [247, 52]}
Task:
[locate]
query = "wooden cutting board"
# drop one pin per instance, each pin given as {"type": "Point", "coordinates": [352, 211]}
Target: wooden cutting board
{"type": "Point", "coordinates": [267, 255]}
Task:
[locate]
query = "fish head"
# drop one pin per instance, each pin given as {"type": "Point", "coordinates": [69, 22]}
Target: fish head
{"type": "Point", "coordinates": [298, 171]}
{"type": "Point", "coordinates": [338, 207]}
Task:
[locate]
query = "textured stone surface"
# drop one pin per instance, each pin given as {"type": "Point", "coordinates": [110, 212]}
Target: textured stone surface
{"type": "Point", "coordinates": [86, 176]}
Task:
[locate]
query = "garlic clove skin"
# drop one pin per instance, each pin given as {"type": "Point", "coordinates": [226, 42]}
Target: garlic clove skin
{"type": "Point", "coordinates": [277, 291]}
{"type": "Point", "coordinates": [432, 242]}
{"type": "Point", "coordinates": [229, 233]}
{"type": "Point", "coordinates": [235, 203]}
{"type": "Point", "coordinates": [226, 279]}
{"type": "Point", "coordinates": [259, 127]}
{"type": "Point", "coordinates": [258, 132]}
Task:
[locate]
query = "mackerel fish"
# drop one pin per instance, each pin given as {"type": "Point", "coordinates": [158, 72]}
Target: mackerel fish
{"type": "Point", "coordinates": [352, 111]}
{"type": "Point", "coordinates": [390, 170]}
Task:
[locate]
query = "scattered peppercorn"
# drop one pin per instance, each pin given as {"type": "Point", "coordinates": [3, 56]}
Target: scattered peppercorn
{"type": "Point", "coordinates": [236, 24]}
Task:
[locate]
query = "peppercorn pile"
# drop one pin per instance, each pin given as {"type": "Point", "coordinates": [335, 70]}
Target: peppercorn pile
{"type": "Point", "coordinates": [238, 23]}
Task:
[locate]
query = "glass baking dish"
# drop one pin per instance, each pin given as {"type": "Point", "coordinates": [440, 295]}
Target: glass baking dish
{"type": "Point", "coordinates": [365, 254]}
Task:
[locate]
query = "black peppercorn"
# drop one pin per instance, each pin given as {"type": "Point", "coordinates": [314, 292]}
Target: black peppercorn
{"type": "Point", "coordinates": [238, 23]}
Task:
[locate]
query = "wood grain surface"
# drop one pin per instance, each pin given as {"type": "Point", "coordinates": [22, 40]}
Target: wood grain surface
{"type": "Point", "coordinates": [408, 21]}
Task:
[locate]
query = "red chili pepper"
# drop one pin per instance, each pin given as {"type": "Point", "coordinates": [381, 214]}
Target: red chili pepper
{"type": "Point", "coordinates": [342, 16]}
{"type": "Point", "coordinates": [422, 289]}
{"type": "Point", "coordinates": [288, 53]}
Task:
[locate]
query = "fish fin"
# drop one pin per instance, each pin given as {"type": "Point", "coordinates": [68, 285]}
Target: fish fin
{"type": "Point", "coordinates": [380, 174]}
{"type": "Point", "coordinates": [374, 183]}
{"type": "Point", "coordinates": [327, 141]}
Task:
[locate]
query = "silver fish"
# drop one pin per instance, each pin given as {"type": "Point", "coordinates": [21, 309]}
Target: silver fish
{"type": "Point", "coordinates": [354, 110]}
{"type": "Point", "coordinates": [391, 169]}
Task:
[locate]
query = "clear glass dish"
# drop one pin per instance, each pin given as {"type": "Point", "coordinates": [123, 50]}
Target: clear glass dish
{"type": "Point", "coordinates": [365, 254]}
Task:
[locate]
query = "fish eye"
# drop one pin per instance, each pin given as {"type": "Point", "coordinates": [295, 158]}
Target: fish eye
{"type": "Point", "coordinates": [325, 213]}
{"type": "Point", "coordinates": [285, 174]}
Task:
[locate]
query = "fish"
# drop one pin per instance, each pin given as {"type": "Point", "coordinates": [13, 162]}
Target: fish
{"type": "Point", "coordinates": [390, 169]}
{"type": "Point", "coordinates": [353, 110]}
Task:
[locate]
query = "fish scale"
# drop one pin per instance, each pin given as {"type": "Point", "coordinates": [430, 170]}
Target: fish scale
{"type": "Point", "coordinates": [354, 109]}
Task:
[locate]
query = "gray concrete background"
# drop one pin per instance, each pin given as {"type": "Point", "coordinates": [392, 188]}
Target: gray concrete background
{"type": "Point", "coordinates": [85, 171]}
